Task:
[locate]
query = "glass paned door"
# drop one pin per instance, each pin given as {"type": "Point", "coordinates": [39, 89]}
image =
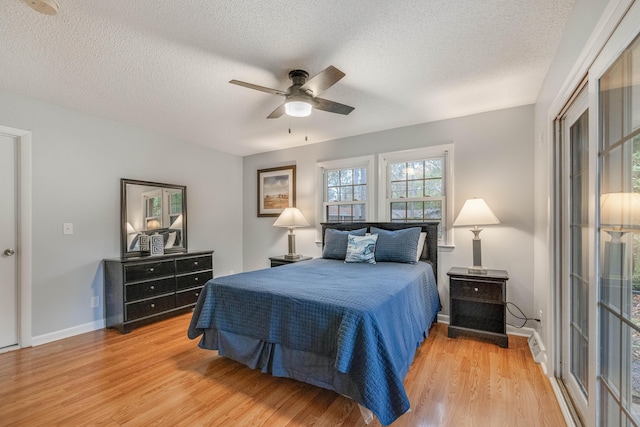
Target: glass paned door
{"type": "Point", "coordinates": [575, 264]}
{"type": "Point", "coordinates": [619, 233]}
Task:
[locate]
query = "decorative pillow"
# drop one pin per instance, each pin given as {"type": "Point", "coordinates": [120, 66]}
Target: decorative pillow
{"type": "Point", "coordinates": [361, 249]}
{"type": "Point", "coordinates": [397, 245]}
{"type": "Point", "coordinates": [335, 242]}
{"type": "Point", "coordinates": [421, 240]}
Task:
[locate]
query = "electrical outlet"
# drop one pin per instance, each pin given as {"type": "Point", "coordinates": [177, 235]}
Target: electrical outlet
{"type": "Point", "coordinates": [95, 301]}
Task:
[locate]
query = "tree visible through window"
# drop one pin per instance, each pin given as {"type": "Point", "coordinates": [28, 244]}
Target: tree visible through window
{"type": "Point", "coordinates": [346, 195]}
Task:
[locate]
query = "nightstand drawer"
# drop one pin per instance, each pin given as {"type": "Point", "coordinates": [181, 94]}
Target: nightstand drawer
{"type": "Point", "coordinates": [149, 307]}
{"type": "Point", "coordinates": [471, 289]}
{"type": "Point", "coordinates": [149, 270]}
{"type": "Point", "coordinates": [187, 265]}
{"type": "Point", "coordinates": [193, 280]}
{"type": "Point", "coordinates": [188, 297]}
{"type": "Point", "coordinates": [149, 289]}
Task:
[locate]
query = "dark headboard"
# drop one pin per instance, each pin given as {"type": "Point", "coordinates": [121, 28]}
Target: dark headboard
{"type": "Point", "coordinates": [429, 252]}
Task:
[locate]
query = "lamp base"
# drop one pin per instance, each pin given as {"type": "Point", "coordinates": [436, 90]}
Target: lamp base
{"type": "Point", "coordinates": [292, 256]}
{"type": "Point", "coordinates": [477, 269]}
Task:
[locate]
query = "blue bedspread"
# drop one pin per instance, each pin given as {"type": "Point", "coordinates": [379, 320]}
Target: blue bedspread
{"type": "Point", "coordinates": [368, 318]}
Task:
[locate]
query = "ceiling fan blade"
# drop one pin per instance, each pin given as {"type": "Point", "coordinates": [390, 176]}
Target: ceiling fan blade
{"type": "Point", "coordinates": [331, 106]}
{"type": "Point", "coordinates": [277, 112]}
{"type": "Point", "coordinates": [260, 88]}
{"type": "Point", "coordinates": [323, 80]}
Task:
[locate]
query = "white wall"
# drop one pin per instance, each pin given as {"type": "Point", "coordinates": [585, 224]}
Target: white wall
{"type": "Point", "coordinates": [493, 159]}
{"type": "Point", "coordinates": [78, 161]}
{"type": "Point", "coordinates": [569, 56]}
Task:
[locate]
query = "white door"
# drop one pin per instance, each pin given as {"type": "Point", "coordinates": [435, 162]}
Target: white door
{"type": "Point", "coordinates": [8, 256]}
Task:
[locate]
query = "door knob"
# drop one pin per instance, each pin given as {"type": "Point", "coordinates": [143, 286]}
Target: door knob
{"type": "Point", "coordinates": [9, 252]}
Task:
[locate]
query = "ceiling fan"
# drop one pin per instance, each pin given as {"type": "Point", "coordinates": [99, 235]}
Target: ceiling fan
{"type": "Point", "coordinates": [302, 95]}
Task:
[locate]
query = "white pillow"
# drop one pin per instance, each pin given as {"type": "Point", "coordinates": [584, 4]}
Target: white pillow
{"type": "Point", "coordinates": [171, 240]}
{"type": "Point", "coordinates": [421, 240]}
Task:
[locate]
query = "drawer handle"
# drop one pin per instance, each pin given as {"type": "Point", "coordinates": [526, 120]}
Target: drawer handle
{"type": "Point", "coordinates": [197, 294]}
{"type": "Point", "coordinates": [196, 279]}
{"type": "Point", "coordinates": [195, 263]}
{"type": "Point", "coordinates": [475, 289]}
{"type": "Point", "coordinates": [151, 270]}
{"type": "Point", "coordinates": [153, 306]}
{"type": "Point", "coordinates": [152, 287]}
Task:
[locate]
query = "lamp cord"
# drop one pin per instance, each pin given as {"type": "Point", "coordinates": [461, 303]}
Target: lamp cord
{"type": "Point", "coordinates": [524, 318]}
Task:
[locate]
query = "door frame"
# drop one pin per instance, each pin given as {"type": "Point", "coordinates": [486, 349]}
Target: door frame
{"type": "Point", "coordinates": [24, 233]}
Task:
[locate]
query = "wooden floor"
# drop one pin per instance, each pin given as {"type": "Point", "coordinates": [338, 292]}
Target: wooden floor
{"type": "Point", "coordinates": [156, 376]}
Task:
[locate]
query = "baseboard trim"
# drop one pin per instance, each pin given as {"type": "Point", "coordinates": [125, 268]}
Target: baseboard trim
{"type": "Point", "coordinates": [566, 412]}
{"type": "Point", "coordinates": [67, 333]}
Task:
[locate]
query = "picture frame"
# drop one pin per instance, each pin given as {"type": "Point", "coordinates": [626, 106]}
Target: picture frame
{"type": "Point", "coordinates": [276, 190]}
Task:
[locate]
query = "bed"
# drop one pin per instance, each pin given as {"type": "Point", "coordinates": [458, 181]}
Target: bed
{"type": "Point", "coordinates": [351, 327]}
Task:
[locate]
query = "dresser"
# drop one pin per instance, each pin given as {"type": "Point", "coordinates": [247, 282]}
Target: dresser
{"type": "Point", "coordinates": [143, 290]}
{"type": "Point", "coordinates": [477, 305]}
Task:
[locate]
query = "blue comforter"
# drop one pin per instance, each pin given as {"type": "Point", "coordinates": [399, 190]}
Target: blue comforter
{"type": "Point", "coordinates": [368, 318]}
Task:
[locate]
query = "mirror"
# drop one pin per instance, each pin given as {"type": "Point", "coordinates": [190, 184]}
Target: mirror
{"type": "Point", "coordinates": [153, 208]}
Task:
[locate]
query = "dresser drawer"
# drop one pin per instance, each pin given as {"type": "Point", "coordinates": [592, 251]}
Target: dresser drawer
{"type": "Point", "coordinates": [192, 280]}
{"type": "Point", "coordinates": [470, 289]}
{"type": "Point", "coordinates": [148, 270]}
{"type": "Point", "coordinates": [187, 265]}
{"type": "Point", "coordinates": [189, 297]}
{"type": "Point", "coordinates": [149, 307]}
{"type": "Point", "coordinates": [149, 289]}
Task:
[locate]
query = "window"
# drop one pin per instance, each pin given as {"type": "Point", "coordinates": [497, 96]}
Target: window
{"type": "Point", "coordinates": [414, 187]}
{"type": "Point", "coordinates": [346, 190]}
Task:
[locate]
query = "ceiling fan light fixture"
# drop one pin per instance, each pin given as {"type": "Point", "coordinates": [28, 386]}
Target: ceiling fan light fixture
{"type": "Point", "coordinates": [297, 108]}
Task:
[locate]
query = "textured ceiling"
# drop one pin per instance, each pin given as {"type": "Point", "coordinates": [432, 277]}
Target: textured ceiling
{"type": "Point", "coordinates": [164, 65]}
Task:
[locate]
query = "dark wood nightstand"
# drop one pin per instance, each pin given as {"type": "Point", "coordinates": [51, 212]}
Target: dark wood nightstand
{"type": "Point", "coordinates": [277, 261]}
{"type": "Point", "coordinates": [477, 305]}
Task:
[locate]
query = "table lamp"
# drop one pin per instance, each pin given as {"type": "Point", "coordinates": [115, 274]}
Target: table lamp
{"type": "Point", "coordinates": [291, 218]}
{"type": "Point", "coordinates": [476, 212]}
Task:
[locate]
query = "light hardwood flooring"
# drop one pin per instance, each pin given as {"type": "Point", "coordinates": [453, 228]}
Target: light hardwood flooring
{"type": "Point", "coordinates": [156, 376]}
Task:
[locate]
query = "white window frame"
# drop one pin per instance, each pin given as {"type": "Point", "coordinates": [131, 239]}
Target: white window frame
{"type": "Point", "coordinates": [366, 162]}
{"type": "Point", "coordinates": [444, 150]}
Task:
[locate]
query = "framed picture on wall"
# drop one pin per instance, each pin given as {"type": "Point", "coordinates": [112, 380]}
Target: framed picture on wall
{"type": "Point", "coordinates": [276, 190]}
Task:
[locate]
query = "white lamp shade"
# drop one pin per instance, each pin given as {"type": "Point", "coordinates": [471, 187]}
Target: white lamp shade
{"type": "Point", "coordinates": [476, 212]}
{"type": "Point", "coordinates": [130, 229]}
{"type": "Point", "coordinates": [292, 218]}
{"type": "Point", "coordinates": [297, 108]}
{"type": "Point", "coordinates": [620, 210]}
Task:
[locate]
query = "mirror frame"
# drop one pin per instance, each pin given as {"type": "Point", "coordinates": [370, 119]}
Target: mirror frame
{"type": "Point", "coordinates": [123, 215]}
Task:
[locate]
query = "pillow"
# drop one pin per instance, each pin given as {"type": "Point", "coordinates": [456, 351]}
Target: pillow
{"type": "Point", "coordinates": [335, 242]}
{"type": "Point", "coordinates": [421, 240]}
{"type": "Point", "coordinates": [361, 248]}
{"type": "Point", "coordinates": [170, 241]}
{"type": "Point", "coordinates": [397, 245]}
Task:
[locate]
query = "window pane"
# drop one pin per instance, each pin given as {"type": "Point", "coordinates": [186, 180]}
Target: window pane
{"type": "Point", "coordinates": [333, 178]}
{"type": "Point", "coordinates": [610, 350]}
{"type": "Point", "coordinates": [415, 170]}
{"type": "Point", "coordinates": [360, 176]}
{"type": "Point", "coordinates": [346, 194]}
{"type": "Point", "coordinates": [398, 171]}
{"type": "Point", "coordinates": [345, 213]}
{"type": "Point", "coordinates": [359, 212]}
{"type": "Point", "coordinates": [433, 187]}
{"type": "Point", "coordinates": [346, 177]}
{"type": "Point", "coordinates": [433, 168]}
{"type": "Point", "coordinates": [399, 190]}
{"type": "Point", "coordinates": [415, 188]}
{"type": "Point", "coordinates": [332, 213]}
{"type": "Point", "coordinates": [360, 192]}
{"type": "Point", "coordinates": [433, 209]}
{"type": "Point", "coordinates": [415, 210]}
{"type": "Point", "coordinates": [332, 194]}
{"type": "Point", "coordinates": [398, 211]}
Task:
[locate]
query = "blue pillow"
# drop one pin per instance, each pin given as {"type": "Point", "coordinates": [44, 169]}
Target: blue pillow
{"type": "Point", "coordinates": [397, 245]}
{"type": "Point", "coordinates": [361, 249]}
{"type": "Point", "coordinates": [335, 242]}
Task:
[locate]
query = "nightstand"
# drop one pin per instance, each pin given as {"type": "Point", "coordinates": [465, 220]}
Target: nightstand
{"type": "Point", "coordinates": [477, 304]}
{"type": "Point", "coordinates": [277, 261]}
